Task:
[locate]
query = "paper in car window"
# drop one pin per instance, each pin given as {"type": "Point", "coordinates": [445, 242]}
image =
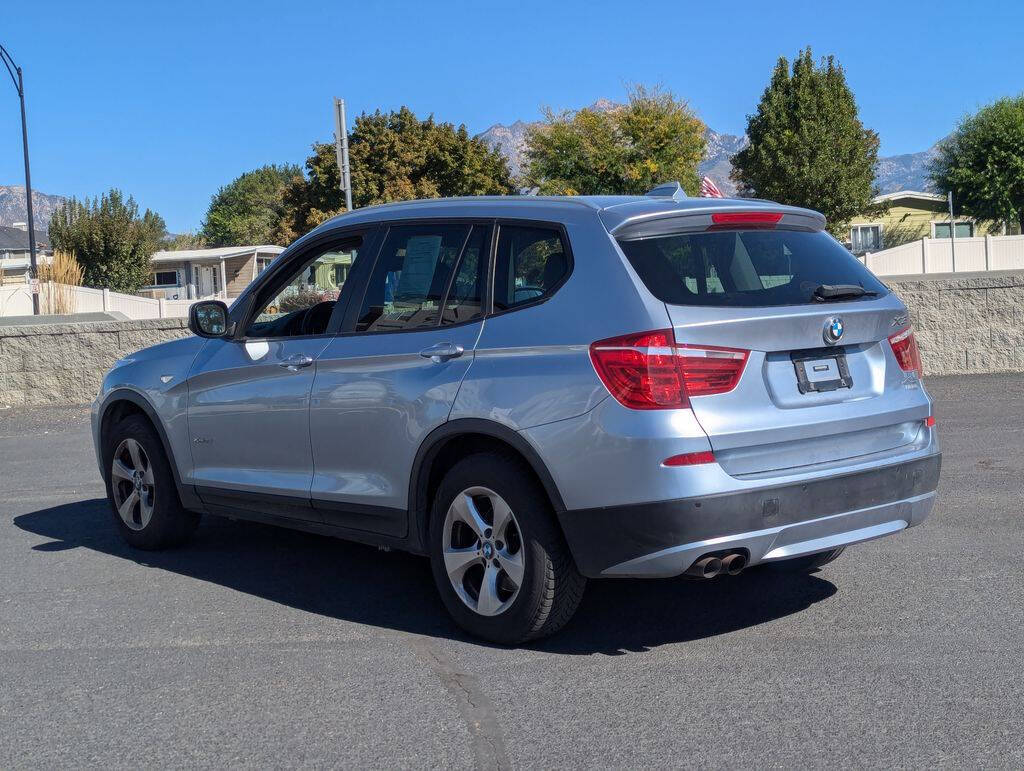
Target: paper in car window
{"type": "Point", "coordinates": [421, 253]}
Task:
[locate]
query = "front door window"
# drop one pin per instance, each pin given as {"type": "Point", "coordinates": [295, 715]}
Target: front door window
{"type": "Point", "coordinates": [303, 305]}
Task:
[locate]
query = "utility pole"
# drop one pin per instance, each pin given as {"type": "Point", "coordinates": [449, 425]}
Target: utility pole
{"type": "Point", "coordinates": [19, 84]}
{"type": "Point", "coordinates": [952, 229]}
{"type": "Point", "coordinates": [341, 150]}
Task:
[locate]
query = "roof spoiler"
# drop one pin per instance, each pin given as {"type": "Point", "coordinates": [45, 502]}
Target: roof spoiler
{"type": "Point", "coordinates": [671, 190]}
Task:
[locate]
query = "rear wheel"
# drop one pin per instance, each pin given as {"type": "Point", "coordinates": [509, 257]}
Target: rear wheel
{"type": "Point", "coordinates": [141, 489]}
{"type": "Point", "coordinates": [499, 560]}
{"type": "Point", "coordinates": [807, 563]}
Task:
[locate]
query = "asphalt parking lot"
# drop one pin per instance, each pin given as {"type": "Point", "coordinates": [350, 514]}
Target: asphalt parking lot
{"type": "Point", "coordinates": [255, 646]}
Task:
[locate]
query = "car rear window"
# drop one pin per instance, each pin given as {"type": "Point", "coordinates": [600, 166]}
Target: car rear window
{"type": "Point", "coordinates": [745, 267]}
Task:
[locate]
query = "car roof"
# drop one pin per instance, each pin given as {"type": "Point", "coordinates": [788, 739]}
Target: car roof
{"type": "Point", "coordinates": [615, 211]}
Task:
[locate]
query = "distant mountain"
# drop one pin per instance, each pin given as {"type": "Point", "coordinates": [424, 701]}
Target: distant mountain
{"type": "Point", "coordinates": [510, 141]}
{"type": "Point", "coordinates": [12, 206]}
{"type": "Point", "coordinates": [897, 172]}
{"type": "Point", "coordinates": [906, 172]}
{"type": "Point", "coordinates": [717, 163]}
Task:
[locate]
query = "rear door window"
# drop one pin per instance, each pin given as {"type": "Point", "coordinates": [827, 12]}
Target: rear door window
{"type": "Point", "coordinates": [465, 297]}
{"type": "Point", "coordinates": [411, 276]}
{"type": "Point", "coordinates": [745, 267]}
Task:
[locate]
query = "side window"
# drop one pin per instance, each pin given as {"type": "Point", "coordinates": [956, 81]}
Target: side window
{"type": "Point", "coordinates": [304, 305]}
{"type": "Point", "coordinates": [465, 299]}
{"type": "Point", "coordinates": [530, 262]}
{"type": "Point", "coordinates": [411, 277]}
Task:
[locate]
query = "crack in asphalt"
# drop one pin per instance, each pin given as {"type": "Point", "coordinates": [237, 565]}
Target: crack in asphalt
{"type": "Point", "coordinates": [473, 704]}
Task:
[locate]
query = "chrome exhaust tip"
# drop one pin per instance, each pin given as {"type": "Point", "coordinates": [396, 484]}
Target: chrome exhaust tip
{"type": "Point", "coordinates": [733, 564]}
{"type": "Point", "coordinates": [705, 567]}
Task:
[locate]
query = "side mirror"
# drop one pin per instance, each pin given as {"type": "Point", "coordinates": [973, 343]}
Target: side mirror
{"type": "Point", "coordinates": [209, 318]}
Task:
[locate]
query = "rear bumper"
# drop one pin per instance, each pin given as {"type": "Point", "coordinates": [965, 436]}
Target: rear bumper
{"type": "Point", "coordinates": [771, 523]}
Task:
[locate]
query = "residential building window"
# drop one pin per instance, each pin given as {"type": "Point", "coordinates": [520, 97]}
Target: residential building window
{"type": "Point", "coordinates": [865, 238]}
{"type": "Point", "coordinates": [166, 278]}
{"type": "Point", "coordinates": [262, 263]}
{"type": "Point", "coordinates": [963, 229]}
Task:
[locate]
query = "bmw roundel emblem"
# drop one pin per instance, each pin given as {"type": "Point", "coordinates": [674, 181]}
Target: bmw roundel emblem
{"type": "Point", "coordinates": [833, 330]}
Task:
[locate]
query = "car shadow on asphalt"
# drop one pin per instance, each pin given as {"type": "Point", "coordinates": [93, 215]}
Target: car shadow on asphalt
{"type": "Point", "coordinates": [394, 590]}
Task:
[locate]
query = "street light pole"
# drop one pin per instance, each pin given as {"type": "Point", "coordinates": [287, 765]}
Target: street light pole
{"type": "Point", "coordinates": [341, 150]}
{"type": "Point", "coordinates": [19, 84]}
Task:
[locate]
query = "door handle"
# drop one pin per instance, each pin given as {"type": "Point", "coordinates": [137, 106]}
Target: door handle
{"type": "Point", "coordinates": [442, 352]}
{"type": "Point", "coordinates": [296, 361]}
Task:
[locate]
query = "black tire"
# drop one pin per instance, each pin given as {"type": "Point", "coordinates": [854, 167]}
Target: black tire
{"type": "Point", "coordinates": [807, 563]}
{"type": "Point", "coordinates": [552, 587]}
{"type": "Point", "coordinates": [170, 524]}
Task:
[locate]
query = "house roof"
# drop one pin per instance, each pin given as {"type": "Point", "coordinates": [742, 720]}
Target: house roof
{"type": "Point", "coordinates": [213, 255]}
{"type": "Point", "coordinates": [901, 194]}
{"type": "Point", "coordinates": [16, 239]}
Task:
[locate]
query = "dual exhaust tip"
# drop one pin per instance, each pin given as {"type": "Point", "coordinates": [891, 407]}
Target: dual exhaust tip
{"type": "Point", "coordinates": [731, 564]}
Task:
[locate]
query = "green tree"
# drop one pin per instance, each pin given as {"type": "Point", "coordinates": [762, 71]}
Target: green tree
{"type": "Point", "coordinates": [250, 209]}
{"type": "Point", "coordinates": [807, 144]}
{"type": "Point", "coordinates": [627, 149]}
{"type": "Point", "coordinates": [395, 156]}
{"type": "Point", "coordinates": [316, 197]}
{"type": "Point", "coordinates": [185, 241]}
{"type": "Point", "coordinates": [982, 162]}
{"type": "Point", "coordinates": [109, 239]}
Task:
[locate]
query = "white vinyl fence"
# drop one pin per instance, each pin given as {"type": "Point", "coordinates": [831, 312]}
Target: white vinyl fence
{"type": "Point", "coordinates": [16, 300]}
{"type": "Point", "coordinates": [935, 255]}
{"type": "Point", "coordinates": [929, 255]}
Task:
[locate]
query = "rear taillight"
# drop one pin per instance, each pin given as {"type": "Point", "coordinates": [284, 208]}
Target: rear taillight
{"type": "Point", "coordinates": [905, 347]}
{"type": "Point", "coordinates": [710, 370]}
{"type": "Point", "coordinates": [648, 371]}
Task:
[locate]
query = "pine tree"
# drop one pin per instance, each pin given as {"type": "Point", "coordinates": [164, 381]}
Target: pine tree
{"type": "Point", "coordinates": [807, 144]}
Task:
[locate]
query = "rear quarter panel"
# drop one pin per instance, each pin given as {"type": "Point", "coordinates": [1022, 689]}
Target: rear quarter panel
{"type": "Point", "coordinates": [532, 365]}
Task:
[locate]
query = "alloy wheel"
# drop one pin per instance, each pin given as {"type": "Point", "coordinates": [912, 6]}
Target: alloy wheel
{"type": "Point", "coordinates": [483, 551]}
{"type": "Point", "coordinates": [133, 485]}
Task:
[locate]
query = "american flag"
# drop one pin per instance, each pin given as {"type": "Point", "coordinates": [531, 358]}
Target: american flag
{"type": "Point", "coordinates": [708, 189]}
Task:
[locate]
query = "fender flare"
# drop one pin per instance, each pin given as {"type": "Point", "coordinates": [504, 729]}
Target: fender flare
{"type": "Point", "coordinates": [122, 394]}
{"type": "Point", "coordinates": [419, 507]}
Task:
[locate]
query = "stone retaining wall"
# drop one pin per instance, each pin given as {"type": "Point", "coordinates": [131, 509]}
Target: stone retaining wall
{"type": "Point", "coordinates": [966, 323]}
{"type": "Point", "coordinates": [65, 363]}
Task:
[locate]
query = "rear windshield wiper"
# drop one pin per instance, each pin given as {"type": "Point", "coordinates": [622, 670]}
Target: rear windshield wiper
{"type": "Point", "coordinates": [829, 292]}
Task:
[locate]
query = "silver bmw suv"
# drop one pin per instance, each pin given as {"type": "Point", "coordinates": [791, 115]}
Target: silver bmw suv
{"type": "Point", "coordinates": [535, 391]}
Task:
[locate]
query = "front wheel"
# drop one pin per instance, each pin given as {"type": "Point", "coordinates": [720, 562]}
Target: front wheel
{"type": "Point", "coordinates": [500, 562]}
{"type": "Point", "coordinates": [141, 489]}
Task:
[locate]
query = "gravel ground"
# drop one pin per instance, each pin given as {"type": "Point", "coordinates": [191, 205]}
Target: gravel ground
{"type": "Point", "coordinates": [261, 647]}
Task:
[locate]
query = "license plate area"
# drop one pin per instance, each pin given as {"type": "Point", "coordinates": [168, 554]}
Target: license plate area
{"type": "Point", "coordinates": [821, 370]}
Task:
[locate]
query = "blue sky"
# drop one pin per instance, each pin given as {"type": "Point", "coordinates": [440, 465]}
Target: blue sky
{"type": "Point", "coordinates": [169, 100]}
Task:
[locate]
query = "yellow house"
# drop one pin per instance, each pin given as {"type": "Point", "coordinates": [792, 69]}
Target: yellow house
{"type": "Point", "coordinates": [911, 215]}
